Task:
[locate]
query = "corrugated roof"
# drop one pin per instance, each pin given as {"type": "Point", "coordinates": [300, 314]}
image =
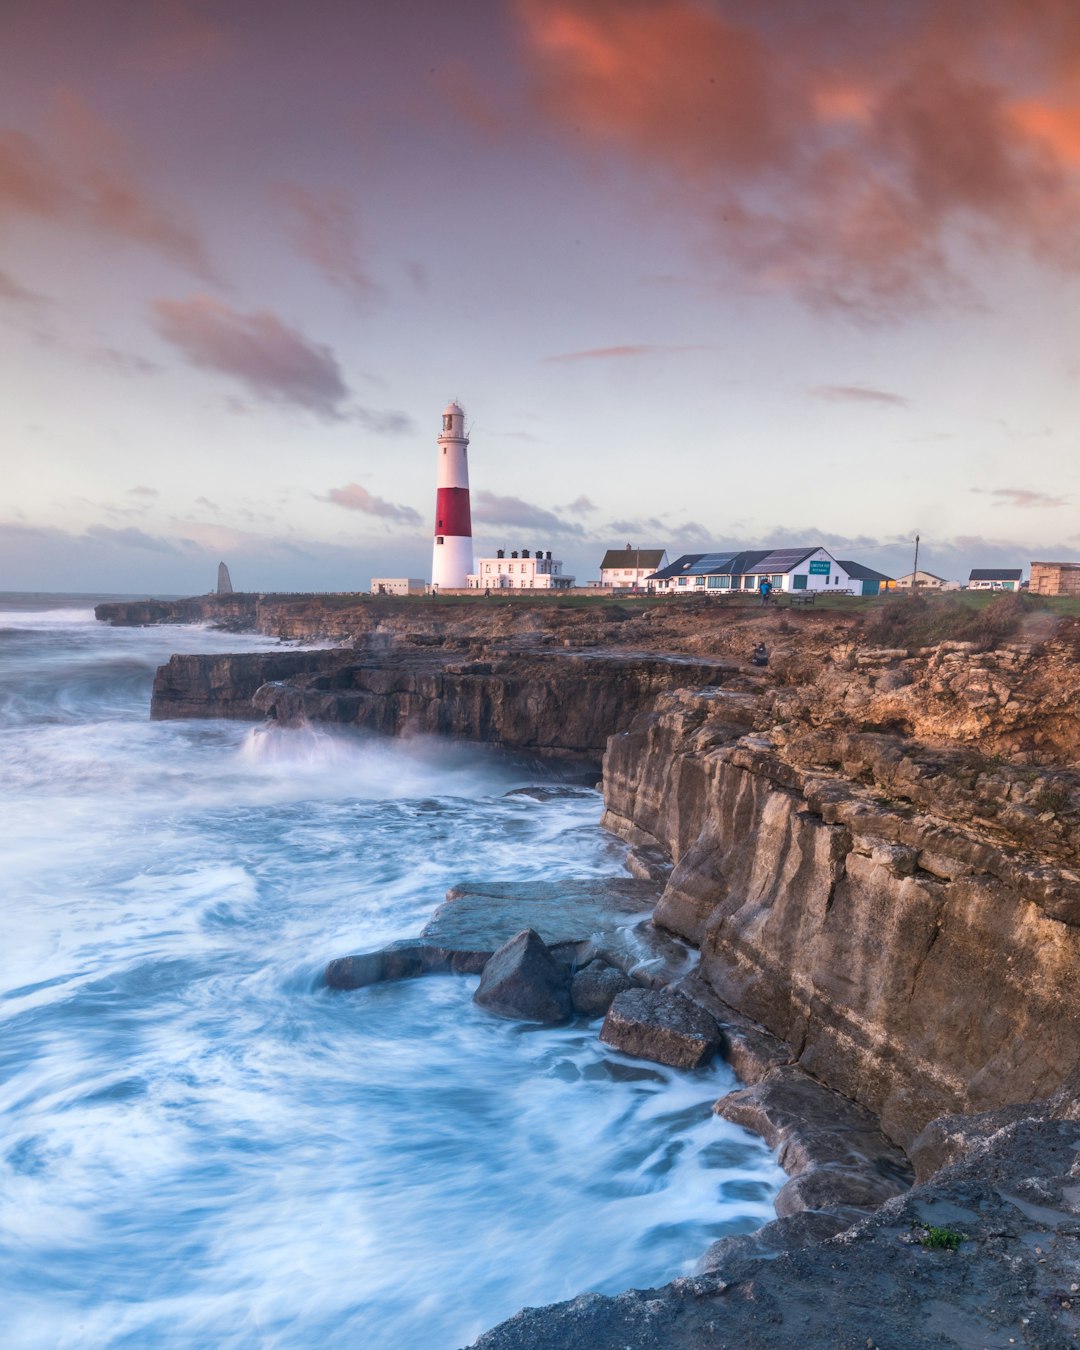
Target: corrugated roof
{"type": "Point", "coordinates": [996, 574]}
{"type": "Point", "coordinates": [860, 573]}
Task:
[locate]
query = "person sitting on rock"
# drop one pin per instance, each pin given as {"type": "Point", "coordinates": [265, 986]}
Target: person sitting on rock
{"type": "Point", "coordinates": [760, 655]}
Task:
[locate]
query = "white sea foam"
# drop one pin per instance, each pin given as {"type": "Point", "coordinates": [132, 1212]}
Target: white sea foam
{"type": "Point", "coordinates": [202, 1145]}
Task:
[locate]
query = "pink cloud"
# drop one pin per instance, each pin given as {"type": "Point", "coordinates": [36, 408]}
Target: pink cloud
{"type": "Point", "coordinates": [326, 232]}
{"type": "Point", "coordinates": [629, 349]}
{"type": "Point", "coordinates": [859, 393]}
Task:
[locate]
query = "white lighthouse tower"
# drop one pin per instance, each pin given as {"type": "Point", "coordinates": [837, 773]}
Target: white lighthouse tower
{"type": "Point", "coordinates": [452, 560]}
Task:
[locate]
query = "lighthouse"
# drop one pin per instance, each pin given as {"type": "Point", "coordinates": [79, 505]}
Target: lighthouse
{"type": "Point", "coordinates": [452, 559]}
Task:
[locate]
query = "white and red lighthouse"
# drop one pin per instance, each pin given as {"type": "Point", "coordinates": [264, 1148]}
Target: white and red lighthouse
{"type": "Point", "coordinates": [452, 559]}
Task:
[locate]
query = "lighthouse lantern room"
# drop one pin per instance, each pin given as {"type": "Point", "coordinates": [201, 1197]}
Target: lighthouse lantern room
{"type": "Point", "coordinates": [452, 558]}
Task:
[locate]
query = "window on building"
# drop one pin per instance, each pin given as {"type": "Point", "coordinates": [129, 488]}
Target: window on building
{"type": "Point", "coordinates": [682, 581]}
{"type": "Point", "coordinates": [777, 580]}
{"type": "Point", "coordinates": [438, 538]}
{"type": "Point", "coordinates": [798, 581]}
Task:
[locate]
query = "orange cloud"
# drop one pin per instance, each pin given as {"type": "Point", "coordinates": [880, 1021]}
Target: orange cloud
{"type": "Point", "coordinates": [1058, 126]}
{"type": "Point", "coordinates": [672, 79]}
{"type": "Point", "coordinates": [90, 183]}
{"type": "Point", "coordinates": [855, 164]}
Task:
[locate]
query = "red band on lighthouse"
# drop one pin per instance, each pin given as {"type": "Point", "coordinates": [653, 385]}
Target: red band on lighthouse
{"type": "Point", "coordinates": [452, 514]}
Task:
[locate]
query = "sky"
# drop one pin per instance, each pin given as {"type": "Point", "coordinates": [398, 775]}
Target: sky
{"type": "Point", "coordinates": [702, 273]}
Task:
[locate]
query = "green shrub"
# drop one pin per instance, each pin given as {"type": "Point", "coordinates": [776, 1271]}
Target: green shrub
{"type": "Point", "coordinates": [942, 1239]}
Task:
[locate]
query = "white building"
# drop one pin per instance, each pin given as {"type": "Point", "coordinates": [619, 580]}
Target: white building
{"type": "Point", "coordinates": [398, 586]}
{"type": "Point", "coordinates": [630, 566]}
{"type": "Point", "coordinates": [926, 581]}
{"type": "Point", "coordinates": [995, 578]}
{"type": "Point", "coordinates": [787, 569]}
{"type": "Point", "coordinates": [521, 571]}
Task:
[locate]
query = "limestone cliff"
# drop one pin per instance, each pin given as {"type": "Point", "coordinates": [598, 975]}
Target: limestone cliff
{"type": "Point", "coordinates": [906, 915]}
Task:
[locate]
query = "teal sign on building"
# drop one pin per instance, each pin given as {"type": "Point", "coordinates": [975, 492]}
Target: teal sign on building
{"type": "Point", "coordinates": [819, 569]}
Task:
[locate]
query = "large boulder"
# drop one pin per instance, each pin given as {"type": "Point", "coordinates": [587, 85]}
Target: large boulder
{"type": "Point", "coordinates": [594, 989]}
{"type": "Point", "coordinates": [522, 980]}
{"type": "Point", "coordinates": [652, 1024]}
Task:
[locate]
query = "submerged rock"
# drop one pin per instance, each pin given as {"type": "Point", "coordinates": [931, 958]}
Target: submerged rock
{"type": "Point", "coordinates": [463, 934]}
{"type": "Point", "coordinates": [652, 1024]}
{"type": "Point", "coordinates": [523, 981]}
{"type": "Point", "coordinates": [478, 917]}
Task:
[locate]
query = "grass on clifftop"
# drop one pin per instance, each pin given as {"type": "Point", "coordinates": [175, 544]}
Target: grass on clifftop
{"type": "Point", "coordinates": [985, 620]}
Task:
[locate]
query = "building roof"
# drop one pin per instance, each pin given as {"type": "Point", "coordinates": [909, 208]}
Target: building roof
{"type": "Point", "coordinates": [632, 557]}
{"type": "Point", "coordinates": [1069, 565]}
{"type": "Point", "coordinates": [922, 572]}
{"type": "Point", "coordinates": [857, 572]}
{"type": "Point", "coordinates": [996, 574]}
{"type": "Point", "coordinates": [748, 562]}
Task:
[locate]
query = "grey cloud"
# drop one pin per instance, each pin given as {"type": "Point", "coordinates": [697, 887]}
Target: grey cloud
{"type": "Point", "coordinates": [581, 506]}
{"type": "Point", "coordinates": [129, 537]}
{"type": "Point", "coordinates": [271, 360]}
{"type": "Point", "coordinates": [641, 525]}
{"type": "Point", "coordinates": [356, 498]}
{"type": "Point", "coordinates": [123, 363]}
{"type": "Point", "coordinates": [490, 509]}
{"type": "Point", "coordinates": [383, 423]}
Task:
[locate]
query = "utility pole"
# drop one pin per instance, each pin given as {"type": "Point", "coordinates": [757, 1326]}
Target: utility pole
{"type": "Point", "coordinates": [915, 569]}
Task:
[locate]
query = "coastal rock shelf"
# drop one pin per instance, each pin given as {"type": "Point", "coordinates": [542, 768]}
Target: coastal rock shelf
{"type": "Point", "coordinates": [563, 705]}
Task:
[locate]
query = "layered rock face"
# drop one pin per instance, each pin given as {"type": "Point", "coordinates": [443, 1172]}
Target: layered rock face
{"type": "Point", "coordinates": [843, 895]}
{"type": "Point", "coordinates": [564, 704]}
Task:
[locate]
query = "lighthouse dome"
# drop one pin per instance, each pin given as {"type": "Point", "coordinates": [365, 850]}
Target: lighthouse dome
{"type": "Point", "coordinates": [453, 408]}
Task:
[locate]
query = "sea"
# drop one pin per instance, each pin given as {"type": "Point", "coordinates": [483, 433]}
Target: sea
{"type": "Point", "coordinates": [200, 1144]}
